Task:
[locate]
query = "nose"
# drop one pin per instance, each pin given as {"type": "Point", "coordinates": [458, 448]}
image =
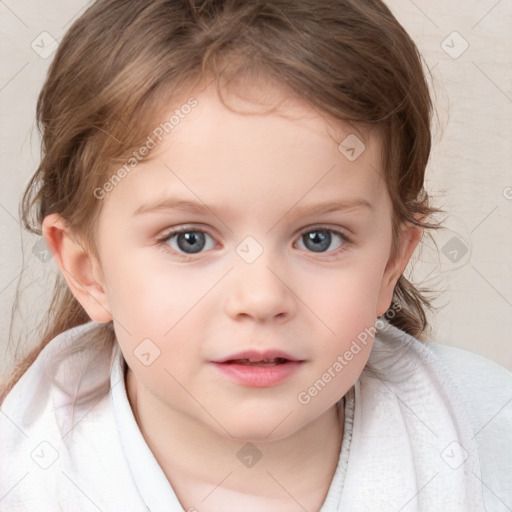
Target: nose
{"type": "Point", "coordinates": [260, 291]}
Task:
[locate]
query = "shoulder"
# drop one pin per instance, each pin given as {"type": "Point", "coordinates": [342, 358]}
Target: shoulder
{"type": "Point", "coordinates": [49, 425]}
{"type": "Point", "coordinates": [70, 370]}
{"type": "Point", "coordinates": [458, 359]}
{"type": "Point", "coordinates": [485, 388]}
{"type": "Point", "coordinates": [474, 390]}
{"type": "Point", "coordinates": [60, 365]}
{"type": "Point", "coordinates": [483, 384]}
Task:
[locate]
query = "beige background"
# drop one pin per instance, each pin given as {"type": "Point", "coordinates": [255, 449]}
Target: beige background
{"type": "Point", "coordinates": [465, 43]}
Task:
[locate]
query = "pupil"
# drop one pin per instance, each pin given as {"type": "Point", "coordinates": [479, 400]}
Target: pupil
{"type": "Point", "coordinates": [193, 240]}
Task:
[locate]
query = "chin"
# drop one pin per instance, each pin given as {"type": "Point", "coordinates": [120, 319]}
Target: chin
{"type": "Point", "coordinates": [256, 428]}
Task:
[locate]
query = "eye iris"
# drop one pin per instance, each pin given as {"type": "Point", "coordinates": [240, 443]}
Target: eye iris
{"type": "Point", "coordinates": [194, 240]}
{"type": "Point", "coordinates": [321, 239]}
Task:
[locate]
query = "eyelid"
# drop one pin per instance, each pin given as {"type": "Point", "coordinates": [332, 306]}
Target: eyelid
{"type": "Point", "coordinates": [184, 229]}
{"type": "Point", "coordinates": [162, 242]}
{"type": "Point", "coordinates": [346, 243]}
{"type": "Point", "coordinates": [171, 232]}
{"type": "Point", "coordinates": [320, 227]}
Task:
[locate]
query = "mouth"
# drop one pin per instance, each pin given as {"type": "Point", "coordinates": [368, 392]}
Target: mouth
{"type": "Point", "coordinates": [265, 362]}
{"type": "Point", "coordinates": [269, 357]}
{"type": "Point", "coordinates": [258, 369]}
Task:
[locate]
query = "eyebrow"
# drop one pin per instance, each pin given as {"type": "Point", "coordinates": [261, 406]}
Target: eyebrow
{"type": "Point", "coordinates": [174, 203]}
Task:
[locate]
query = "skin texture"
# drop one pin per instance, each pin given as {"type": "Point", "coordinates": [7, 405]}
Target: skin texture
{"type": "Point", "coordinates": [253, 173]}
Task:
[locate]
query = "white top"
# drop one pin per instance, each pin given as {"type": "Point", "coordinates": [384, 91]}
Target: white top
{"type": "Point", "coordinates": [428, 427]}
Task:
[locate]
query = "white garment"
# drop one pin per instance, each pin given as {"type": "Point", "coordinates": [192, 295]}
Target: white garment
{"type": "Point", "coordinates": [427, 428]}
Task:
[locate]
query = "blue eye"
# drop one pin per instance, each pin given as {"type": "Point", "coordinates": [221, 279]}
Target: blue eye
{"type": "Point", "coordinates": [320, 239]}
{"type": "Point", "coordinates": [189, 241]}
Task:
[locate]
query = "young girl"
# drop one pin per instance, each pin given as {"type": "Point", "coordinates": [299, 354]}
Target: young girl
{"type": "Point", "coordinates": [232, 191]}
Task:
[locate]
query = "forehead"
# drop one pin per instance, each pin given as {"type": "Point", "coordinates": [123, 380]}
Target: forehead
{"type": "Point", "coordinates": [253, 156]}
{"type": "Point", "coordinates": [259, 112]}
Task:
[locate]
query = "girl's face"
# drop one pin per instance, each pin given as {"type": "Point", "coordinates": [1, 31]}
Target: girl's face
{"type": "Point", "coordinates": [285, 246]}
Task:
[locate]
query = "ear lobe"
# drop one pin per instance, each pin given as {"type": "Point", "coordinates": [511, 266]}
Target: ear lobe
{"type": "Point", "coordinates": [409, 239]}
{"type": "Point", "coordinates": [80, 268]}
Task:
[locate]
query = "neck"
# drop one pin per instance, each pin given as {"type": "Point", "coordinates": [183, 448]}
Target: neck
{"type": "Point", "coordinates": [209, 472]}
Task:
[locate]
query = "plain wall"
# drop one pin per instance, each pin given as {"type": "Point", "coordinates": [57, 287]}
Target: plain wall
{"type": "Point", "coordinates": [466, 45]}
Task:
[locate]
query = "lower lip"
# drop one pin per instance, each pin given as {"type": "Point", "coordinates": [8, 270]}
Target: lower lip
{"type": "Point", "coordinates": [258, 376]}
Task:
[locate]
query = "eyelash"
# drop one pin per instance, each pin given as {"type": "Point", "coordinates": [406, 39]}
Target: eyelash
{"type": "Point", "coordinates": [163, 241]}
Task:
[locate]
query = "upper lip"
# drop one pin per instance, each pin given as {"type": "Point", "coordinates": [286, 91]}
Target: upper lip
{"type": "Point", "coordinates": [257, 355]}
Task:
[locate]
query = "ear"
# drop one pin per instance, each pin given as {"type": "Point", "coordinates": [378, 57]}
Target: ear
{"type": "Point", "coordinates": [80, 268]}
{"type": "Point", "coordinates": [409, 239]}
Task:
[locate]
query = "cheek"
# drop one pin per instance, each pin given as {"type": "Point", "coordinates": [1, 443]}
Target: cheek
{"type": "Point", "coordinates": [344, 299]}
{"type": "Point", "coordinates": [345, 304]}
{"type": "Point", "coordinates": [158, 310]}
{"type": "Point", "coordinates": [145, 290]}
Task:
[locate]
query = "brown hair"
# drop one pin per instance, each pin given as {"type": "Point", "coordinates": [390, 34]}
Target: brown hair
{"type": "Point", "coordinates": [122, 59]}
